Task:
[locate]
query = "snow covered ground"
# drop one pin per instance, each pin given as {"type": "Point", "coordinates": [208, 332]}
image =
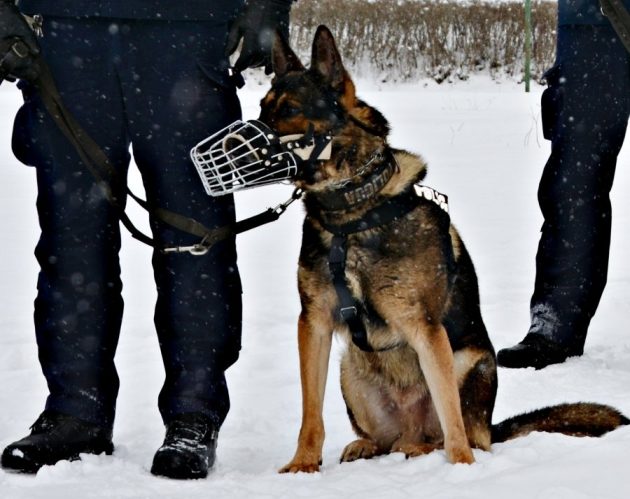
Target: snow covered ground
{"type": "Point", "coordinates": [485, 150]}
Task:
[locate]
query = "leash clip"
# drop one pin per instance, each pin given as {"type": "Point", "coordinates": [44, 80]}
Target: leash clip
{"type": "Point", "coordinates": [38, 25]}
{"type": "Point", "coordinates": [282, 207]}
{"type": "Point", "coordinates": [195, 249]}
{"type": "Point", "coordinates": [199, 249]}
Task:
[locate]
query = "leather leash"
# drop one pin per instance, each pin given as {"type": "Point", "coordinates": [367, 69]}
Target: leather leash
{"type": "Point", "coordinates": [619, 17]}
{"type": "Point", "coordinates": [99, 165]}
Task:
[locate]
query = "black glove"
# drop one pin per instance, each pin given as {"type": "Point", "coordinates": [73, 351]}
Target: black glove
{"type": "Point", "coordinates": [18, 45]}
{"type": "Point", "coordinates": [257, 25]}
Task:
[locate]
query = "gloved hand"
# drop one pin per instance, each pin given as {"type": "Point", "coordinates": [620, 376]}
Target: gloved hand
{"type": "Point", "coordinates": [257, 25]}
{"type": "Point", "coordinates": [18, 45]}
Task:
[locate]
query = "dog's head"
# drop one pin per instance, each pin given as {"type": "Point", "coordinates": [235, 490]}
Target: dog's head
{"type": "Point", "coordinates": [322, 98]}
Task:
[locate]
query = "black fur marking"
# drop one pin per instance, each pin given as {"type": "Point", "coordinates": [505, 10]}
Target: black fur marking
{"type": "Point", "coordinates": [578, 419]}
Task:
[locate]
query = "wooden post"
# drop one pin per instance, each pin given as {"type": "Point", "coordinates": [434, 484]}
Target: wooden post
{"type": "Point", "coordinates": [528, 43]}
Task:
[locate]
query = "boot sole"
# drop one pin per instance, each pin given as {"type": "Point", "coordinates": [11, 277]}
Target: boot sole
{"type": "Point", "coordinates": [19, 463]}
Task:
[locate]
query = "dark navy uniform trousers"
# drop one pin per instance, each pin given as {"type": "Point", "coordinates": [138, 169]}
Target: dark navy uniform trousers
{"type": "Point", "coordinates": [158, 87]}
{"type": "Point", "coordinates": [585, 115]}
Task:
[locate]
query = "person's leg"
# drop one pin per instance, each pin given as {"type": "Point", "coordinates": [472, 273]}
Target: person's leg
{"type": "Point", "coordinates": [185, 96]}
{"type": "Point", "coordinates": [593, 108]}
{"type": "Point", "coordinates": [585, 110]}
{"type": "Point", "coordinates": [78, 308]}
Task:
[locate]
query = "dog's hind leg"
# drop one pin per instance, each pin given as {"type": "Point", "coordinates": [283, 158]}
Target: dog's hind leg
{"type": "Point", "coordinates": [477, 378]}
{"type": "Point", "coordinates": [415, 450]}
{"type": "Point", "coordinates": [372, 412]}
{"type": "Point", "coordinates": [362, 448]}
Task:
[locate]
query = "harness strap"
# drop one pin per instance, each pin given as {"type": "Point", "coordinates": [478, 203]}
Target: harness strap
{"type": "Point", "coordinates": [351, 309]}
{"type": "Point", "coordinates": [395, 207]}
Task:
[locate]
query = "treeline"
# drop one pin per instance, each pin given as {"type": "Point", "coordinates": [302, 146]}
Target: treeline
{"type": "Point", "coordinates": [402, 40]}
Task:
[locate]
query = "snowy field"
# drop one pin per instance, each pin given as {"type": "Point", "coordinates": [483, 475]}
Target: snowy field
{"type": "Point", "coordinates": [485, 150]}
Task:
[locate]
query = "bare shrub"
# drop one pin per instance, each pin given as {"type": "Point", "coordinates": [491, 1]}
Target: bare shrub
{"type": "Point", "coordinates": [406, 39]}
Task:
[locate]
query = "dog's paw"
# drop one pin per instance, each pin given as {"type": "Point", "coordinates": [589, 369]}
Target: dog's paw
{"type": "Point", "coordinates": [359, 449]}
{"type": "Point", "coordinates": [460, 455]}
{"type": "Point", "coordinates": [296, 466]}
{"type": "Point", "coordinates": [414, 450]}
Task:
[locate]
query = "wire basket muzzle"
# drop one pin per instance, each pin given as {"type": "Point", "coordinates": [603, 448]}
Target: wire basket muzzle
{"type": "Point", "coordinates": [243, 155]}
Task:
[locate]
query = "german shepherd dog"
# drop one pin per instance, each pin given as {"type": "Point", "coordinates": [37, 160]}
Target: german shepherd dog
{"type": "Point", "coordinates": [423, 375]}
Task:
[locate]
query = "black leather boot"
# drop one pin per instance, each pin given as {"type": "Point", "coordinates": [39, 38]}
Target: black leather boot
{"type": "Point", "coordinates": [536, 351]}
{"type": "Point", "coordinates": [189, 448]}
{"type": "Point", "coordinates": [56, 437]}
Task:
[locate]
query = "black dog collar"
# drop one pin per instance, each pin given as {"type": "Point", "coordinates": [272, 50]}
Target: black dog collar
{"type": "Point", "coordinates": [352, 193]}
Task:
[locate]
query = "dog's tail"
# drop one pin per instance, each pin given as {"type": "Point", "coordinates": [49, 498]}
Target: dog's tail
{"type": "Point", "coordinates": [580, 419]}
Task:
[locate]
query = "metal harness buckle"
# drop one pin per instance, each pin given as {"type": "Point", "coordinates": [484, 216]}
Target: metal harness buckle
{"type": "Point", "coordinates": [348, 312]}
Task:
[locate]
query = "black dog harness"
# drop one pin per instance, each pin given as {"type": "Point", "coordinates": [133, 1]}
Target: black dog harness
{"type": "Point", "coordinates": [352, 310]}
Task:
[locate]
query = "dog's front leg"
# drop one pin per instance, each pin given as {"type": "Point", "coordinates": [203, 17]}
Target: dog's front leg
{"type": "Point", "coordinates": [435, 354]}
{"type": "Point", "coordinates": [314, 341]}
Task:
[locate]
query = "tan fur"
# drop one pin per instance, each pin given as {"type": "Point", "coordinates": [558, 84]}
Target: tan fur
{"type": "Point", "coordinates": [456, 242]}
{"type": "Point", "coordinates": [411, 168]}
{"type": "Point", "coordinates": [431, 383]}
{"type": "Point", "coordinates": [412, 304]}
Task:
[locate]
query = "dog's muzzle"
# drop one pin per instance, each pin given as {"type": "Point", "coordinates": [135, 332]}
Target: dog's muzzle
{"type": "Point", "coordinates": [249, 154]}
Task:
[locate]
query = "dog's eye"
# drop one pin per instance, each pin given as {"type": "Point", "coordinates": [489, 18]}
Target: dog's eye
{"type": "Point", "coordinates": [288, 110]}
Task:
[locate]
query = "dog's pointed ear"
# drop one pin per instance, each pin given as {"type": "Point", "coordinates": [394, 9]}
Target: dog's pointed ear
{"type": "Point", "coordinates": [283, 59]}
{"type": "Point", "coordinates": [327, 60]}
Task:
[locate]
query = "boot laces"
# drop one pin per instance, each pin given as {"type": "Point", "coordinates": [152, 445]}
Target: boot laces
{"type": "Point", "coordinates": [189, 432]}
{"type": "Point", "coordinates": [47, 422]}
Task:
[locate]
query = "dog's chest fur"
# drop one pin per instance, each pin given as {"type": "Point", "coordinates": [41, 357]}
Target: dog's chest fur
{"type": "Point", "coordinates": [396, 270]}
